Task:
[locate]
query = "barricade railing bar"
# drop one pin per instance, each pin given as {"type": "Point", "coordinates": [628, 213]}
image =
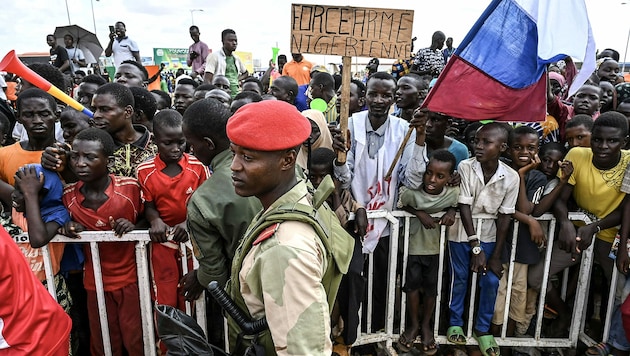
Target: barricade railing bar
{"type": "Point", "coordinates": [141, 238]}
{"type": "Point", "coordinates": [400, 220]}
{"type": "Point", "coordinates": [395, 314]}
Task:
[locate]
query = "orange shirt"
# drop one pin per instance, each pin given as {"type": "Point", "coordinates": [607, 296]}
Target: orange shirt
{"type": "Point", "coordinates": [300, 71]}
{"type": "Point", "coordinates": [171, 194]}
{"type": "Point", "coordinates": [13, 157]}
{"type": "Point", "coordinates": [11, 90]}
{"type": "Point", "coordinates": [118, 259]}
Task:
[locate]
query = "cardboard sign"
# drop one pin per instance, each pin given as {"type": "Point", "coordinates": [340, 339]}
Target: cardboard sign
{"type": "Point", "coordinates": [351, 31]}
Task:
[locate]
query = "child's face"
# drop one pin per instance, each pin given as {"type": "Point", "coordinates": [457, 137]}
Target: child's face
{"type": "Point", "coordinates": [606, 144]}
{"type": "Point", "coordinates": [578, 136]}
{"type": "Point", "coordinates": [88, 161]}
{"type": "Point", "coordinates": [587, 100]}
{"type": "Point", "coordinates": [183, 96]}
{"type": "Point", "coordinates": [489, 145]}
{"type": "Point", "coordinates": [549, 163]}
{"type": "Point", "coordinates": [523, 149]}
{"type": "Point", "coordinates": [108, 115]}
{"type": "Point", "coordinates": [72, 124]}
{"type": "Point", "coordinates": [608, 90]}
{"type": "Point", "coordinates": [608, 71]}
{"type": "Point", "coordinates": [436, 176]}
{"type": "Point", "coordinates": [317, 173]}
{"type": "Point", "coordinates": [171, 143]}
{"type": "Point", "coordinates": [38, 118]}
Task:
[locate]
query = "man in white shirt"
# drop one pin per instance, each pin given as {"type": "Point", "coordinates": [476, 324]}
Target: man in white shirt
{"type": "Point", "coordinates": [75, 55]}
{"type": "Point", "coordinates": [121, 46]}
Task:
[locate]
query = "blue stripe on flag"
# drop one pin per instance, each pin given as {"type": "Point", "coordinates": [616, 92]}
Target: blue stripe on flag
{"type": "Point", "coordinates": [504, 44]}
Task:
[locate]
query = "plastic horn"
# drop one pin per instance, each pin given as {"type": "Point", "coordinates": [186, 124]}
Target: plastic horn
{"type": "Point", "coordinates": [12, 64]}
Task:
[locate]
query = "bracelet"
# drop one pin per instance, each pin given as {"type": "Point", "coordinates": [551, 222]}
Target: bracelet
{"type": "Point", "coordinates": [472, 238]}
{"type": "Point", "coordinates": [599, 228]}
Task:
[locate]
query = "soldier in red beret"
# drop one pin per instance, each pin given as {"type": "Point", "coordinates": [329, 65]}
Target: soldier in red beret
{"type": "Point", "coordinates": [281, 271]}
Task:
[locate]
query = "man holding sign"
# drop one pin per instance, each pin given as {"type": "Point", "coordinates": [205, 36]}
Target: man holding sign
{"type": "Point", "coordinates": [375, 139]}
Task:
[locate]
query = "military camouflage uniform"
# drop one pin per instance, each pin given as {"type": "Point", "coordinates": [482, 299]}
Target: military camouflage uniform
{"type": "Point", "coordinates": [281, 278]}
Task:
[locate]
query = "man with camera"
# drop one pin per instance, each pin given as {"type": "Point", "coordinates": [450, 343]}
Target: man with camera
{"type": "Point", "coordinates": [197, 53]}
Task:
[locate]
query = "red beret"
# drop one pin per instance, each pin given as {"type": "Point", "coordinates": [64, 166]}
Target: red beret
{"type": "Point", "coordinates": [268, 125]}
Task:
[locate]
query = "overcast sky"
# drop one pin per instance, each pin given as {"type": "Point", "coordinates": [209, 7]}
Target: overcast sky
{"type": "Point", "coordinates": [258, 24]}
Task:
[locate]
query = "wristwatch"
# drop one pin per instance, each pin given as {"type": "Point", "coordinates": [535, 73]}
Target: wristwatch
{"type": "Point", "coordinates": [476, 247]}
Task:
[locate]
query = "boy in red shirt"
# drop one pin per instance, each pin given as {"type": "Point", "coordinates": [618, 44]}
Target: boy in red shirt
{"type": "Point", "coordinates": [168, 181]}
{"type": "Point", "coordinates": [102, 201]}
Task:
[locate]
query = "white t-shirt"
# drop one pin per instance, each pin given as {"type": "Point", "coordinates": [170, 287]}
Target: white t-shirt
{"type": "Point", "coordinates": [122, 50]}
{"type": "Point", "coordinates": [75, 53]}
{"type": "Point", "coordinates": [3, 85]}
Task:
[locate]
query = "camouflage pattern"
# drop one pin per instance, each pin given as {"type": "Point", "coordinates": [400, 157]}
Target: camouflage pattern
{"type": "Point", "coordinates": [280, 278]}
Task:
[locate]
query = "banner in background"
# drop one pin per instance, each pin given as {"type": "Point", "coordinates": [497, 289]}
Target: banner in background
{"type": "Point", "coordinates": [248, 60]}
{"type": "Point", "coordinates": [173, 58]}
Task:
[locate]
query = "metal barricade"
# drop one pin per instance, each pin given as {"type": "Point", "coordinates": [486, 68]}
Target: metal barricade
{"type": "Point", "coordinates": [398, 219]}
{"type": "Point", "coordinates": [141, 238]}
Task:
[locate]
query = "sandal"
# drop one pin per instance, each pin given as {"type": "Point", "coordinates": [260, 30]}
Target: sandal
{"type": "Point", "coordinates": [488, 345]}
{"type": "Point", "coordinates": [403, 344]}
{"type": "Point", "coordinates": [601, 349]}
{"type": "Point", "coordinates": [455, 335]}
{"type": "Point", "coordinates": [429, 349]}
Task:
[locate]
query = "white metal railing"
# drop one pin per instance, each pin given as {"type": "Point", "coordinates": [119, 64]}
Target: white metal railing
{"type": "Point", "coordinates": [396, 219]}
{"type": "Point", "coordinates": [141, 238]}
{"type": "Point", "coordinates": [401, 219]}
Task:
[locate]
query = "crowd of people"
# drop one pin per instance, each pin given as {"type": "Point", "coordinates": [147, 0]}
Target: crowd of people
{"type": "Point", "coordinates": [219, 161]}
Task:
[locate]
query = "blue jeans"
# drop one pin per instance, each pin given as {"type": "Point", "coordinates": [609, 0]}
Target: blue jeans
{"type": "Point", "coordinates": [487, 291]}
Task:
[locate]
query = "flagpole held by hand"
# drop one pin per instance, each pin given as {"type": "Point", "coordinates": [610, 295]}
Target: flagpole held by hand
{"type": "Point", "coordinates": [399, 153]}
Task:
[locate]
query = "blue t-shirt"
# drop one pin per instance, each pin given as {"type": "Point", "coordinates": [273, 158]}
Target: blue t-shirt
{"type": "Point", "coordinates": [51, 205]}
{"type": "Point", "coordinates": [301, 100]}
{"type": "Point", "coordinates": [459, 150]}
{"type": "Point", "coordinates": [52, 209]}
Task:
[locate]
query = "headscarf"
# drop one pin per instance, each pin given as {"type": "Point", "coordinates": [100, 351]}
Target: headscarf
{"type": "Point", "coordinates": [623, 92]}
{"type": "Point", "coordinates": [324, 139]}
{"type": "Point", "coordinates": [558, 77]}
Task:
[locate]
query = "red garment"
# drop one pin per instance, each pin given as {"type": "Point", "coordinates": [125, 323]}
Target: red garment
{"type": "Point", "coordinates": [123, 318]}
{"type": "Point", "coordinates": [118, 259]}
{"type": "Point", "coordinates": [170, 196]}
{"type": "Point", "coordinates": [563, 113]}
{"type": "Point", "coordinates": [31, 322]}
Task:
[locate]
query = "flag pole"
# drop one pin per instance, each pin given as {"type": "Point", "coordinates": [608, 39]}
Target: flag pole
{"type": "Point", "coordinates": [345, 103]}
{"type": "Point", "coordinates": [401, 149]}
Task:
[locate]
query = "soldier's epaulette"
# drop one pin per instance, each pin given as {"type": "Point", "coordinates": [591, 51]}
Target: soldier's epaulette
{"type": "Point", "coordinates": [266, 233]}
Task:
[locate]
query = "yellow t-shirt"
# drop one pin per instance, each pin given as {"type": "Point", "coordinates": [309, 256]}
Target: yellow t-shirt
{"type": "Point", "coordinates": [594, 190]}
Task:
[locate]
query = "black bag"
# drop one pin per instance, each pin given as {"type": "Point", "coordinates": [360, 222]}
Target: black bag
{"type": "Point", "coordinates": [180, 333]}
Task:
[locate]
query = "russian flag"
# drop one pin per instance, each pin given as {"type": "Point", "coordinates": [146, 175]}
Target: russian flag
{"type": "Point", "coordinates": [498, 71]}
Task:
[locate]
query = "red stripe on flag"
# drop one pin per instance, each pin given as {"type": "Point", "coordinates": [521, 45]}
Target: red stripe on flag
{"type": "Point", "coordinates": [463, 91]}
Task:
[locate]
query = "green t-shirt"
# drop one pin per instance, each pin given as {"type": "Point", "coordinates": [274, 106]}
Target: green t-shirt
{"type": "Point", "coordinates": [426, 241]}
{"type": "Point", "coordinates": [231, 72]}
